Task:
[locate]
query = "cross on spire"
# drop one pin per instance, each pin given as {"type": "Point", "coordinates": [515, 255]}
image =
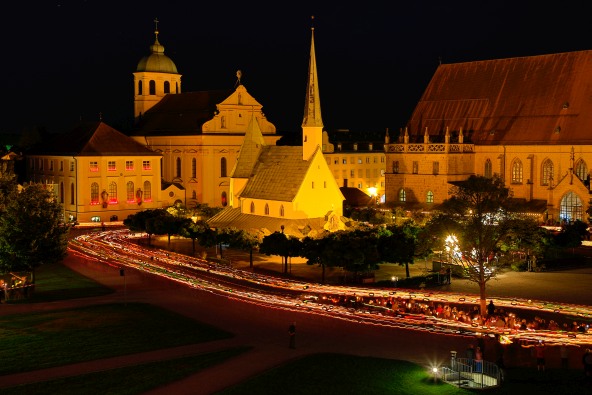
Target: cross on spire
{"type": "Point", "coordinates": [156, 26]}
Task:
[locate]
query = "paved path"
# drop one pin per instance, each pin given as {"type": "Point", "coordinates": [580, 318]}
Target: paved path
{"type": "Point", "coordinates": [266, 330]}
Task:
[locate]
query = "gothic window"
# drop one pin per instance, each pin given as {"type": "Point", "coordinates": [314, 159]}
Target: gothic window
{"type": "Point", "coordinates": [130, 191]}
{"type": "Point", "coordinates": [488, 172]}
{"type": "Point", "coordinates": [167, 87]}
{"type": "Point", "coordinates": [430, 197]}
{"type": "Point", "coordinates": [113, 192]}
{"type": "Point", "coordinates": [147, 191]}
{"type": "Point", "coordinates": [252, 207]}
{"type": "Point", "coordinates": [571, 208]}
{"type": "Point", "coordinates": [224, 199]}
{"type": "Point", "coordinates": [266, 209]}
{"type": "Point", "coordinates": [193, 168]}
{"type": "Point", "coordinates": [517, 172]}
{"type": "Point", "coordinates": [547, 170]}
{"type": "Point", "coordinates": [582, 170]}
{"type": "Point", "coordinates": [94, 193]}
{"type": "Point", "coordinates": [139, 87]}
{"type": "Point", "coordinates": [402, 195]}
{"type": "Point", "coordinates": [396, 167]}
{"type": "Point", "coordinates": [223, 167]}
{"type": "Point", "coordinates": [178, 168]}
{"type": "Point", "coordinates": [152, 87]}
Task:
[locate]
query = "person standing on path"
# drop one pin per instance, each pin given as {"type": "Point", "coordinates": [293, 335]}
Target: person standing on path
{"type": "Point", "coordinates": [292, 334]}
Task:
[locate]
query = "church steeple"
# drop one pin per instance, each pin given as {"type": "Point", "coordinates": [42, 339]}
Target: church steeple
{"type": "Point", "coordinates": [312, 125]}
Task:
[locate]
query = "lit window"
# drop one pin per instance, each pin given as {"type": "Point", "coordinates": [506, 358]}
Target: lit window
{"type": "Point", "coordinates": [547, 176]}
{"type": "Point", "coordinates": [402, 195]}
{"type": "Point", "coordinates": [111, 165]}
{"type": "Point", "coordinates": [94, 166]}
{"type": "Point", "coordinates": [582, 171]}
{"type": "Point", "coordinates": [131, 196]}
{"type": "Point", "coordinates": [94, 193]}
{"type": "Point", "coordinates": [430, 197]}
{"type": "Point", "coordinates": [147, 191]}
{"type": "Point", "coordinates": [344, 161]}
{"type": "Point", "coordinates": [488, 169]}
{"type": "Point", "coordinates": [146, 165]}
{"type": "Point", "coordinates": [517, 171]}
{"type": "Point", "coordinates": [112, 192]}
{"type": "Point", "coordinates": [571, 208]}
{"type": "Point", "coordinates": [129, 165]}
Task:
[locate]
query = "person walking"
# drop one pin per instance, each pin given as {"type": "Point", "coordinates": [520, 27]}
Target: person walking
{"type": "Point", "coordinates": [292, 334]}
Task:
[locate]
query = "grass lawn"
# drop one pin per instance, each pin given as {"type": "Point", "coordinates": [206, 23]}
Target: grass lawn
{"type": "Point", "coordinates": [127, 381]}
{"type": "Point", "coordinates": [344, 374]}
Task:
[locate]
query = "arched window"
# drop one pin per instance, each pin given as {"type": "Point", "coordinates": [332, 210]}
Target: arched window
{"type": "Point", "coordinates": [430, 197]}
{"type": "Point", "coordinates": [266, 209]}
{"type": "Point", "coordinates": [147, 191]}
{"type": "Point", "coordinates": [112, 192]}
{"type": "Point", "coordinates": [176, 87]}
{"type": "Point", "coordinates": [167, 87]}
{"type": "Point", "coordinates": [193, 168]}
{"type": "Point", "coordinates": [131, 194]}
{"type": "Point", "coordinates": [193, 195]}
{"type": "Point", "coordinates": [72, 194]}
{"type": "Point", "coordinates": [224, 199]}
{"type": "Point", "coordinates": [223, 167]}
{"type": "Point", "coordinates": [402, 195]}
{"type": "Point", "coordinates": [62, 192]}
{"type": "Point", "coordinates": [282, 210]}
{"type": "Point", "coordinates": [178, 168]}
{"type": "Point", "coordinates": [252, 207]}
{"type": "Point", "coordinates": [488, 171]}
{"type": "Point", "coordinates": [517, 173]}
{"type": "Point", "coordinates": [571, 208]}
{"type": "Point", "coordinates": [547, 172]}
{"type": "Point", "coordinates": [582, 170]}
{"type": "Point", "coordinates": [139, 87]}
{"type": "Point", "coordinates": [152, 87]}
{"type": "Point", "coordinates": [94, 193]}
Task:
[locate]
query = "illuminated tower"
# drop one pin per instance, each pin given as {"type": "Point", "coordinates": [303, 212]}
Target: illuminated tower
{"type": "Point", "coordinates": [312, 125]}
{"type": "Point", "coordinates": [155, 76]}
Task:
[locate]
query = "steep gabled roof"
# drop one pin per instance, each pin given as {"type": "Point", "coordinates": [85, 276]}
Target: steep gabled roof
{"type": "Point", "coordinates": [92, 139]}
{"type": "Point", "coordinates": [278, 174]}
{"type": "Point", "coordinates": [529, 100]}
{"type": "Point", "coordinates": [180, 114]}
{"type": "Point", "coordinates": [249, 152]}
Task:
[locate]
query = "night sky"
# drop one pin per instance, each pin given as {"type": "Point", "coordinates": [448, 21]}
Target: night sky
{"type": "Point", "coordinates": [71, 60]}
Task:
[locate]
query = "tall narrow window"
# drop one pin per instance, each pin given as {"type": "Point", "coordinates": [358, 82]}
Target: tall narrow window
{"type": "Point", "coordinates": [252, 207]}
{"type": "Point", "coordinates": [223, 167]}
{"type": "Point", "coordinates": [147, 191]}
{"type": "Point", "coordinates": [282, 210]}
{"type": "Point", "coordinates": [436, 168]}
{"type": "Point", "coordinates": [223, 122]}
{"type": "Point", "coordinates": [488, 171]}
{"type": "Point", "coordinates": [266, 209]}
{"type": "Point", "coordinates": [112, 192]}
{"type": "Point", "coordinates": [547, 170]}
{"type": "Point", "coordinates": [430, 197]}
{"type": "Point", "coordinates": [517, 172]}
{"type": "Point", "coordinates": [94, 193]}
{"type": "Point", "coordinates": [176, 87]}
{"type": "Point", "coordinates": [193, 194]}
{"type": "Point", "coordinates": [582, 170]}
{"type": "Point", "coordinates": [402, 195]}
{"type": "Point", "coordinates": [131, 194]}
{"type": "Point", "coordinates": [178, 168]}
{"type": "Point", "coordinates": [193, 168]}
{"type": "Point", "coordinates": [61, 192]}
{"type": "Point", "coordinates": [167, 87]}
{"type": "Point", "coordinates": [139, 87]}
{"type": "Point", "coordinates": [152, 87]}
{"type": "Point", "coordinates": [395, 166]}
{"type": "Point", "coordinates": [72, 193]}
{"type": "Point", "coordinates": [415, 167]}
{"type": "Point", "coordinates": [224, 199]}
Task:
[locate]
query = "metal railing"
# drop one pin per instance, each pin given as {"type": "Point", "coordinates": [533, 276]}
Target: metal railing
{"type": "Point", "coordinates": [464, 372]}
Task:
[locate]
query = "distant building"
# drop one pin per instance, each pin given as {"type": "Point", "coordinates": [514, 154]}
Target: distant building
{"type": "Point", "coordinates": [524, 119]}
{"type": "Point", "coordinates": [99, 174]}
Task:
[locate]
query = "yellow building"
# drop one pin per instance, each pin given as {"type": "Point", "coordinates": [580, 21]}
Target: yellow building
{"type": "Point", "coordinates": [525, 119]}
{"type": "Point", "coordinates": [198, 134]}
{"type": "Point", "coordinates": [359, 164]}
{"type": "Point", "coordinates": [287, 188]}
{"type": "Point", "coordinates": [99, 174]}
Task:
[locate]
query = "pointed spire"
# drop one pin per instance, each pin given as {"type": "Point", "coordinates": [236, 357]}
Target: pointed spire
{"type": "Point", "coordinates": [406, 136]}
{"type": "Point", "coordinates": [312, 105]}
{"type": "Point", "coordinates": [447, 136]}
{"type": "Point", "coordinates": [426, 136]}
{"type": "Point", "coordinates": [461, 137]}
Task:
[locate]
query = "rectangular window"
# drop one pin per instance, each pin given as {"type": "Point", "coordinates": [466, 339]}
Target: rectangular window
{"type": "Point", "coordinates": [51, 165]}
{"type": "Point", "coordinates": [415, 167]}
{"type": "Point", "coordinates": [40, 164]}
{"type": "Point", "coordinates": [367, 173]}
{"type": "Point", "coordinates": [436, 168]}
{"type": "Point", "coordinates": [94, 166]}
{"type": "Point", "coordinates": [111, 165]}
{"type": "Point", "coordinates": [382, 172]}
{"type": "Point", "coordinates": [360, 185]}
{"type": "Point", "coordinates": [352, 173]}
{"type": "Point", "coordinates": [359, 161]}
{"type": "Point", "coordinates": [129, 165]}
{"type": "Point", "coordinates": [367, 159]}
{"type": "Point", "coordinates": [61, 165]}
{"type": "Point", "coordinates": [360, 173]}
{"type": "Point", "coordinates": [146, 165]}
{"type": "Point", "coordinates": [375, 159]}
{"type": "Point", "coordinates": [382, 159]}
{"type": "Point", "coordinates": [344, 161]}
{"type": "Point", "coordinates": [336, 161]}
{"type": "Point", "coordinates": [72, 166]}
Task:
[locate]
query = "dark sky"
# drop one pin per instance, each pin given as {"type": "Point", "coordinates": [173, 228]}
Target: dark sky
{"type": "Point", "coordinates": [71, 60]}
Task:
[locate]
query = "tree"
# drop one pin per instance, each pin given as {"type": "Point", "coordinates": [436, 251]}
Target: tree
{"type": "Point", "coordinates": [32, 231]}
{"type": "Point", "coordinates": [278, 243]}
{"type": "Point", "coordinates": [477, 225]}
{"type": "Point", "coordinates": [245, 241]}
{"type": "Point", "coordinates": [144, 221]}
{"type": "Point", "coordinates": [168, 224]}
{"type": "Point", "coordinates": [195, 231]}
{"type": "Point", "coordinates": [397, 244]}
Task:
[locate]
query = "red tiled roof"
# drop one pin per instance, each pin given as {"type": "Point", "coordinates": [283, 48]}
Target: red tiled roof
{"type": "Point", "coordinates": [529, 100]}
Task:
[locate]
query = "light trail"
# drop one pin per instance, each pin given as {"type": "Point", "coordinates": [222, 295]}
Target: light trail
{"type": "Point", "coordinates": [354, 304]}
